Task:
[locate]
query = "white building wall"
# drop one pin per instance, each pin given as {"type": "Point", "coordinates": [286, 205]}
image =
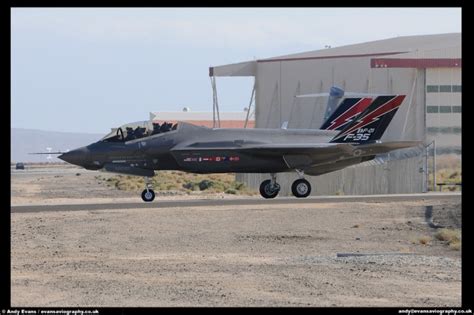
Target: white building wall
{"type": "Point", "coordinates": [444, 127]}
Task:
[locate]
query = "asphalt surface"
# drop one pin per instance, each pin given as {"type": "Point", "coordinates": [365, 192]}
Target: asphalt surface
{"type": "Point", "coordinates": [229, 202]}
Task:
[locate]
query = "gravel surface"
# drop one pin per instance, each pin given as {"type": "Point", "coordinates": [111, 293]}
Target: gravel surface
{"type": "Point", "coordinates": [447, 216]}
{"type": "Point", "coordinates": [278, 255]}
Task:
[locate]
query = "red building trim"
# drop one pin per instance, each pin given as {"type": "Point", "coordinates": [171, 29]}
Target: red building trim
{"type": "Point", "coordinates": [416, 63]}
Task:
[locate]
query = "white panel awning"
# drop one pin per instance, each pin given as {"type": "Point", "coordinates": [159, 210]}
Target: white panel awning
{"type": "Point", "coordinates": [241, 69]}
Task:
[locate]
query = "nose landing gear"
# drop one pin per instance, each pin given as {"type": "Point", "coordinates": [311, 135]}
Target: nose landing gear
{"type": "Point", "coordinates": [148, 195]}
{"type": "Point", "coordinates": [269, 188]}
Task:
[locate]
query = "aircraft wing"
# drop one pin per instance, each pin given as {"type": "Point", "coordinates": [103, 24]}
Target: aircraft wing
{"type": "Point", "coordinates": [306, 156]}
{"type": "Point", "coordinates": [301, 155]}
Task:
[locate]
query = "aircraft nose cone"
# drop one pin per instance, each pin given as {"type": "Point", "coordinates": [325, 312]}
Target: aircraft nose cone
{"type": "Point", "coordinates": [76, 157]}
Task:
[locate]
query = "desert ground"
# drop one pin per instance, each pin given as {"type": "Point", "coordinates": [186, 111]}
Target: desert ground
{"type": "Point", "coordinates": [362, 254]}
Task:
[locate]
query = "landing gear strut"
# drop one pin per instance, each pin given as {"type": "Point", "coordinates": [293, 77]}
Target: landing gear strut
{"type": "Point", "coordinates": [269, 188]}
{"type": "Point", "coordinates": [148, 194]}
{"type": "Point", "coordinates": [301, 188]}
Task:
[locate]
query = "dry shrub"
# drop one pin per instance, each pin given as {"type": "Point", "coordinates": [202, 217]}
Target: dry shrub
{"type": "Point", "coordinates": [448, 235]}
{"type": "Point", "coordinates": [455, 245]}
{"type": "Point", "coordinates": [182, 181]}
{"type": "Point", "coordinates": [424, 240]}
{"type": "Point", "coordinates": [451, 236]}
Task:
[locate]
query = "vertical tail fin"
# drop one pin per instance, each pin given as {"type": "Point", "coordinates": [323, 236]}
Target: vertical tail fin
{"type": "Point", "coordinates": [372, 122]}
{"type": "Point", "coordinates": [345, 113]}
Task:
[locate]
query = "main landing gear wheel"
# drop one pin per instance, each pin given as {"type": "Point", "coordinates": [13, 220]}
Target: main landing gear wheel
{"type": "Point", "coordinates": [267, 191]}
{"type": "Point", "coordinates": [148, 195]}
{"type": "Point", "coordinates": [301, 188]}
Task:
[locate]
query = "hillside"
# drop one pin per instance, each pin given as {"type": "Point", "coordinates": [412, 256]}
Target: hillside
{"type": "Point", "coordinates": [24, 141]}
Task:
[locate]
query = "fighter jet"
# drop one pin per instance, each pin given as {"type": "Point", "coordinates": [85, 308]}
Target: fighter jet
{"type": "Point", "coordinates": [350, 135]}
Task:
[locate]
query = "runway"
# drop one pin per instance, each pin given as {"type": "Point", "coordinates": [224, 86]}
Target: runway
{"type": "Point", "coordinates": [229, 202]}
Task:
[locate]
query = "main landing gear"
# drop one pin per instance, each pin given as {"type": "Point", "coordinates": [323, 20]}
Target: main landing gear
{"type": "Point", "coordinates": [300, 188]}
{"type": "Point", "coordinates": [148, 195]}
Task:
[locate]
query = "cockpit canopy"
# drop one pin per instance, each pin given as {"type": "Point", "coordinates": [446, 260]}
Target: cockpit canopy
{"type": "Point", "coordinates": [137, 130]}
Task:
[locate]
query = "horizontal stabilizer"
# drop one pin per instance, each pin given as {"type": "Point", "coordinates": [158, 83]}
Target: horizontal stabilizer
{"type": "Point", "coordinates": [383, 158]}
{"type": "Point", "coordinates": [384, 147]}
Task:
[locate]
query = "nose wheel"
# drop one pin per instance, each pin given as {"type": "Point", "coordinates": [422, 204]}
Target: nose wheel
{"type": "Point", "coordinates": [148, 195]}
{"type": "Point", "coordinates": [269, 188]}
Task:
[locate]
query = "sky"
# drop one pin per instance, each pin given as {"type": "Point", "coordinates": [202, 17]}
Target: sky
{"type": "Point", "coordinates": [90, 69]}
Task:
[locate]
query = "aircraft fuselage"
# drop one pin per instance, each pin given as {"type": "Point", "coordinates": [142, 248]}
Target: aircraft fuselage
{"type": "Point", "coordinates": [207, 150]}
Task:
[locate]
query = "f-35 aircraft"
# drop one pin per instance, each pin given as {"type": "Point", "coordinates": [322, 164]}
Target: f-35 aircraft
{"type": "Point", "coordinates": [350, 135]}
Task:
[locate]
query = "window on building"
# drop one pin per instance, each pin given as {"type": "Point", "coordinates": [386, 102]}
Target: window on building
{"type": "Point", "coordinates": [433, 129]}
{"type": "Point", "coordinates": [445, 109]}
{"type": "Point", "coordinates": [432, 109]}
{"type": "Point", "coordinates": [445, 88]}
{"type": "Point", "coordinates": [432, 88]}
{"type": "Point", "coordinates": [456, 88]}
{"type": "Point", "coordinates": [457, 109]}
